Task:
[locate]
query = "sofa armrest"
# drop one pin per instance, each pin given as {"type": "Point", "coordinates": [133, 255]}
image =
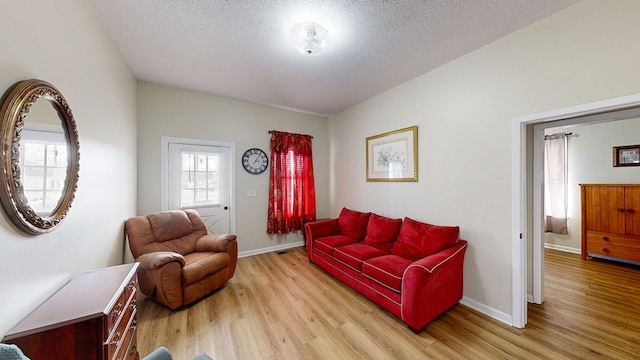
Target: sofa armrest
{"type": "Point", "coordinates": [443, 258]}
{"type": "Point", "coordinates": [320, 229]}
{"type": "Point", "coordinates": [432, 284]}
{"type": "Point", "coordinates": [156, 260]}
{"type": "Point", "coordinates": [215, 242]}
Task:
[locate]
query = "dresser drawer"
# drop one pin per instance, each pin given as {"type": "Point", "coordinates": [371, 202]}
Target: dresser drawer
{"type": "Point", "coordinates": [122, 337]}
{"type": "Point", "coordinates": [115, 313]}
{"type": "Point", "coordinates": [620, 246]}
{"type": "Point", "coordinates": [131, 287]}
{"type": "Point", "coordinates": [602, 238]}
{"type": "Point", "coordinates": [126, 298]}
{"type": "Point", "coordinates": [130, 351]}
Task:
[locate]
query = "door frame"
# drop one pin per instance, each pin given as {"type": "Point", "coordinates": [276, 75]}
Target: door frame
{"type": "Point", "coordinates": [525, 190]}
{"type": "Point", "coordinates": [164, 169]}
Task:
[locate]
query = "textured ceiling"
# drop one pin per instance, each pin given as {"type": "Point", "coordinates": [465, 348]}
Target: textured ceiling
{"type": "Point", "coordinates": [242, 49]}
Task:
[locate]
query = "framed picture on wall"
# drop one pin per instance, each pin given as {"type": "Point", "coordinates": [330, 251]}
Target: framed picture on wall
{"type": "Point", "coordinates": [626, 155]}
{"type": "Point", "coordinates": [393, 156]}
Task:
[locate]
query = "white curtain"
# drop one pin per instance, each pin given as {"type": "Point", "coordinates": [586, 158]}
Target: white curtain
{"type": "Point", "coordinates": [555, 183]}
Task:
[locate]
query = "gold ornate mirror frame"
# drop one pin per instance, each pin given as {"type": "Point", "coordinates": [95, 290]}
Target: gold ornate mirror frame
{"type": "Point", "coordinates": [15, 108]}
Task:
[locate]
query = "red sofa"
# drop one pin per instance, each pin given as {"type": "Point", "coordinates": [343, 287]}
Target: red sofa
{"type": "Point", "coordinates": [410, 268]}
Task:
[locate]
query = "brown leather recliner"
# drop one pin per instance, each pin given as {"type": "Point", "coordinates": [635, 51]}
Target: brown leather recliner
{"type": "Point", "coordinates": [179, 262]}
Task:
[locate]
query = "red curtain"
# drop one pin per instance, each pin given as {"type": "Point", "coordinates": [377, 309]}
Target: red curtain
{"type": "Point", "coordinates": [292, 194]}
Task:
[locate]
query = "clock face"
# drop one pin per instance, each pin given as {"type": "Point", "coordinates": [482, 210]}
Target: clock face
{"type": "Point", "coordinates": [255, 161]}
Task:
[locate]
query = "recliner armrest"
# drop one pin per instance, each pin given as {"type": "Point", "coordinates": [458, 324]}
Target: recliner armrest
{"type": "Point", "coordinates": [215, 242]}
{"type": "Point", "coordinates": [156, 260]}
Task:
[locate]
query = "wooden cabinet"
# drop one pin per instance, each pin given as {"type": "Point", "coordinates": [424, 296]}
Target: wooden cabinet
{"type": "Point", "coordinates": [611, 220]}
{"type": "Point", "coordinates": [92, 317]}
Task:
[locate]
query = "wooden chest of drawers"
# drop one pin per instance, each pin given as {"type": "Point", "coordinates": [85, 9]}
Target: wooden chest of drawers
{"type": "Point", "coordinates": [611, 221]}
{"type": "Point", "coordinates": [91, 317]}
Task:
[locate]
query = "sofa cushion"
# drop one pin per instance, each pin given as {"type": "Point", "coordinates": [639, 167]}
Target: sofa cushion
{"type": "Point", "coordinates": [353, 255]}
{"type": "Point", "coordinates": [418, 240]}
{"type": "Point", "coordinates": [328, 243]}
{"type": "Point", "coordinates": [382, 231]}
{"type": "Point", "coordinates": [386, 270]}
{"type": "Point", "coordinates": [353, 223]}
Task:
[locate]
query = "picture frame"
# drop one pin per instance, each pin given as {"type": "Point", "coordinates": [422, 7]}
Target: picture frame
{"type": "Point", "coordinates": [393, 156]}
{"type": "Point", "coordinates": [628, 155]}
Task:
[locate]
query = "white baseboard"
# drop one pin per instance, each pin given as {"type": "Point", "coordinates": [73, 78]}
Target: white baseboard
{"type": "Point", "coordinates": [270, 249]}
{"type": "Point", "coordinates": [562, 248]}
{"type": "Point", "coordinates": [489, 311]}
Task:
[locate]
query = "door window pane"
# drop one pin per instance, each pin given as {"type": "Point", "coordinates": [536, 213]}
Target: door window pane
{"type": "Point", "coordinates": [200, 179]}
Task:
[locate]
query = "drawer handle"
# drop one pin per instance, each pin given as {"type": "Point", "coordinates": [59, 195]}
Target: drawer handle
{"type": "Point", "coordinates": [117, 309]}
{"type": "Point", "coordinates": [605, 238]}
{"type": "Point", "coordinates": [620, 210]}
{"type": "Point", "coordinates": [631, 211]}
{"type": "Point", "coordinates": [116, 339]}
{"type": "Point", "coordinates": [605, 250]}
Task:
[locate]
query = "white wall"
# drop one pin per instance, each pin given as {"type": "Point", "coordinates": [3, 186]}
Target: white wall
{"type": "Point", "coordinates": [62, 42]}
{"type": "Point", "coordinates": [464, 112]}
{"type": "Point", "coordinates": [590, 161]}
{"type": "Point", "coordinates": [168, 111]}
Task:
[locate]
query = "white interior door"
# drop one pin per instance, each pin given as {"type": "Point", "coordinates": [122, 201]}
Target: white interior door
{"type": "Point", "coordinates": [199, 178]}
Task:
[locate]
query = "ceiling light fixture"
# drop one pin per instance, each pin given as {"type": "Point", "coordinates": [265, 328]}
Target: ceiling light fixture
{"type": "Point", "coordinates": [310, 38]}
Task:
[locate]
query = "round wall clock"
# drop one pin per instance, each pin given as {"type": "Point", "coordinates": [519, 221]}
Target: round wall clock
{"type": "Point", "coordinates": [255, 161]}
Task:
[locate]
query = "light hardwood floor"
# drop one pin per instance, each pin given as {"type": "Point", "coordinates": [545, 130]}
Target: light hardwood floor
{"type": "Point", "coordinates": [279, 306]}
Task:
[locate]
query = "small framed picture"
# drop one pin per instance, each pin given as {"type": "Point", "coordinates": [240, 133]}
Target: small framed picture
{"type": "Point", "coordinates": [626, 155]}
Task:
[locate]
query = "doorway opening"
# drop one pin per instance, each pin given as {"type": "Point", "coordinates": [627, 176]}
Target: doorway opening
{"type": "Point", "coordinates": [527, 199]}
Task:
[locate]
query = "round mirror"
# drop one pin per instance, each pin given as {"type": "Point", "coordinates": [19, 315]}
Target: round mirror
{"type": "Point", "coordinates": [40, 154]}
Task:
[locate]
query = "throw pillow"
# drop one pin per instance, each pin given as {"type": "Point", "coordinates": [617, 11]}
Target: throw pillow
{"type": "Point", "coordinates": [382, 231]}
{"type": "Point", "coordinates": [353, 223]}
{"type": "Point", "coordinates": [418, 240]}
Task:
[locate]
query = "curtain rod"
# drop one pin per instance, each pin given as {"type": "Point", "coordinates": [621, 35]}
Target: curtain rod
{"type": "Point", "coordinates": [562, 134]}
{"type": "Point", "coordinates": [300, 134]}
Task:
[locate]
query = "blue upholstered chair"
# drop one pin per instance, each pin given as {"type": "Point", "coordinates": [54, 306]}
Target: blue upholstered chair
{"type": "Point", "coordinates": [162, 353]}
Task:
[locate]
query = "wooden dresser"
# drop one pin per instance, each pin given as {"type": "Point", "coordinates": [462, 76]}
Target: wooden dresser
{"type": "Point", "coordinates": [611, 220]}
{"type": "Point", "coordinates": [92, 317]}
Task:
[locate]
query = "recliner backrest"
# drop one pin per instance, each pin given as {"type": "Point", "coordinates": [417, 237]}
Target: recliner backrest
{"type": "Point", "coordinates": [173, 230]}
